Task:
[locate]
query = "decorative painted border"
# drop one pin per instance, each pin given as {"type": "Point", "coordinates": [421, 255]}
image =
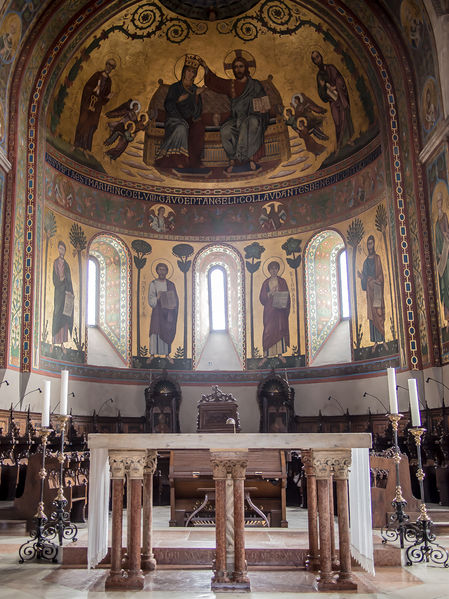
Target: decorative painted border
{"type": "Point", "coordinates": [208, 197]}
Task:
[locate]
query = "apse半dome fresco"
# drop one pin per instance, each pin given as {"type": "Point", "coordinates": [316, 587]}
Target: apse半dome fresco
{"type": "Point", "coordinates": [113, 120]}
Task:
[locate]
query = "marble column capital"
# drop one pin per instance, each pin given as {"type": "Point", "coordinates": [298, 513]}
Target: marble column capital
{"type": "Point", "coordinates": [117, 464]}
{"type": "Point", "coordinates": [229, 462]}
{"type": "Point", "coordinates": [150, 461]}
{"type": "Point", "coordinates": [135, 464]}
{"type": "Point", "coordinates": [322, 463]}
{"type": "Point", "coordinates": [341, 464]}
{"type": "Point", "coordinates": [307, 460]}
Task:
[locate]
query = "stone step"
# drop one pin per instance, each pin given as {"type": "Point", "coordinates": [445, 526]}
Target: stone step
{"type": "Point", "coordinates": [13, 527]}
{"type": "Point", "coordinates": [201, 557]}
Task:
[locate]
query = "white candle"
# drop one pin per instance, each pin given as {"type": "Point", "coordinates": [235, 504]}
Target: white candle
{"type": "Point", "coordinates": [392, 393]}
{"type": "Point", "coordinates": [64, 392]}
{"type": "Point", "coordinates": [45, 422]}
{"type": "Point", "coordinates": [414, 402]}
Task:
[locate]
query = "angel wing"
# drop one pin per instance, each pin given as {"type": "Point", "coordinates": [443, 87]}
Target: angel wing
{"type": "Point", "coordinates": [121, 110]}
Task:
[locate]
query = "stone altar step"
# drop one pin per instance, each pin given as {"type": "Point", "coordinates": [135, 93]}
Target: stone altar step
{"type": "Point", "coordinates": [13, 527]}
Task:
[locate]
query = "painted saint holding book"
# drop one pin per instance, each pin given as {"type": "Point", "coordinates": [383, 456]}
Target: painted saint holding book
{"type": "Point", "coordinates": [372, 281]}
{"type": "Point", "coordinates": [63, 298]}
{"type": "Point", "coordinates": [275, 298]}
{"type": "Point", "coordinates": [162, 297]}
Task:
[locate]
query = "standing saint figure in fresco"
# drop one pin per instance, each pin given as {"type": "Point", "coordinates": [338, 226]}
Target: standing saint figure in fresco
{"type": "Point", "coordinates": [242, 135]}
{"type": "Point", "coordinates": [332, 88]}
{"type": "Point", "coordinates": [184, 130]}
{"type": "Point", "coordinates": [162, 297]}
{"type": "Point", "coordinates": [372, 280]}
{"type": "Point", "coordinates": [275, 298]}
{"type": "Point", "coordinates": [63, 298]}
{"type": "Point", "coordinates": [442, 251]}
{"type": "Point", "coordinates": [96, 93]}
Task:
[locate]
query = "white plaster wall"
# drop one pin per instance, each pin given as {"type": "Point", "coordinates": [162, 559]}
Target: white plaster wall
{"type": "Point", "coordinates": [310, 396]}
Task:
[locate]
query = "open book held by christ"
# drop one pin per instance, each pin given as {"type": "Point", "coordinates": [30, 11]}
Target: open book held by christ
{"type": "Point", "coordinates": [261, 104]}
{"type": "Point", "coordinates": [168, 299]}
{"type": "Point", "coordinates": [280, 299]}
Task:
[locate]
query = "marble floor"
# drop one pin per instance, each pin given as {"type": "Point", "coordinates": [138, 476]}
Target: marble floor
{"type": "Point", "coordinates": [42, 580]}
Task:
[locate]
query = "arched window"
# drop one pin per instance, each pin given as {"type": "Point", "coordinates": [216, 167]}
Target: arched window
{"type": "Point", "coordinates": [345, 306]}
{"type": "Point", "coordinates": [218, 299]}
{"type": "Point", "coordinates": [327, 300]}
{"type": "Point", "coordinates": [218, 309]}
{"type": "Point", "coordinates": [108, 302]}
{"type": "Point", "coordinates": [92, 292]}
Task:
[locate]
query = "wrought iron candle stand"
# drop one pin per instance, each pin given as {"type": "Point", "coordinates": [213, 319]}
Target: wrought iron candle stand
{"type": "Point", "coordinates": [398, 524]}
{"type": "Point", "coordinates": [59, 523]}
{"type": "Point", "coordinates": [39, 546]}
{"type": "Point", "coordinates": [424, 549]}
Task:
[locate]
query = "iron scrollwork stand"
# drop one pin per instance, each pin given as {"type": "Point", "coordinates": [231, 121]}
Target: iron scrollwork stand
{"type": "Point", "coordinates": [398, 525]}
{"type": "Point", "coordinates": [59, 523]}
{"type": "Point", "coordinates": [39, 546]}
{"type": "Point", "coordinates": [424, 549]}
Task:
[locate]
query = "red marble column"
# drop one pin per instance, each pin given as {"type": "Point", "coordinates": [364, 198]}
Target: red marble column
{"type": "Point", "coordinates": [345, 579]}
{"type": "Point", "coordinates": [116, 578]}
{"type": "Point", "coordinates": [148, 561]}
{"type": "Point", "coordinates": [240, 575]}
{"type": "Point", "coordinates": [335, 564]}
{"type": "Point", "coordinates": [322, 463]}
{"type": "Point", "coordinates": [219, 470]}
{"type": "Point", "coordinates": [313, 559]}
{"type": "Point", "coordinates": [232, 463]}
{"type": "Point", "coordinates": [135, 462]}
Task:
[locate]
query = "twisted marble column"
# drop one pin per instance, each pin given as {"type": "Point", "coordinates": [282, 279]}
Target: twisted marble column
{"type": "Point", "coordinates": [229, 469]}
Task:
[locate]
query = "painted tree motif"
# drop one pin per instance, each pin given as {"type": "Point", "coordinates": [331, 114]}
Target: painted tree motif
{"type": "Point", "coordinates": [79, 242]}
{"type": "Point", "coordinates": [292, 247]}
{"type": "Point", "coordinates": [184, 251]}
{"type": "Point", "coordinates": [50, 229]}
{"type": "Point", "coordinates": [142, 249]}
{"type": "Point", "coordinates": [354, 236]}
{"type": "Point", "coordinates": [253, 254]}
{"type": "Point", "coordinates": [381, 226]}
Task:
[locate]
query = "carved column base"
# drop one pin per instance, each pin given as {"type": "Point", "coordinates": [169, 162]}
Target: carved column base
{"type": "Point", "coordinates": [346, 583]}
{"type": "Point", "coordinates": [148, 563]}
{"type": "Point", "coordinates": [116, 581]}
{"type": "Point", "coordinates": [326, 585]}
{"type": "Point", "coordinates": [135, 581]}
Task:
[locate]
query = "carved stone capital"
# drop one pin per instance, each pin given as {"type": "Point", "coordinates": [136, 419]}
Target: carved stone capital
{"type": "Point", "coordinates": [322, 462]}
{"type": "Point", "coordinates": [307, 460]}
{"type": "Point", "coordinates": [117, 464]}
{"type": "Point", "coordinates": [150, 461]}
{"type": "Point", "coordinates": [341, 464]}
{"type": "Point", "coordinates": [135, 464]}
{"type": "Point", "coordinates": [229, 462]}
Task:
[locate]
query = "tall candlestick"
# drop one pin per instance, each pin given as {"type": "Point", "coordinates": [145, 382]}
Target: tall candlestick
{"type": "Point", "coordinates": [414, 402]}
{"type": "Point", "coordinates": [45, 422]}
{"type": "Point", "coordinates": [391, 374]}
{"type": "Point", "coordinates": [64, 392]}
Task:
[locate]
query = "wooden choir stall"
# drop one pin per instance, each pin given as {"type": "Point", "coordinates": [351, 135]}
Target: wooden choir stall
{"type": "Point", "coordinates": [133, 458]}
